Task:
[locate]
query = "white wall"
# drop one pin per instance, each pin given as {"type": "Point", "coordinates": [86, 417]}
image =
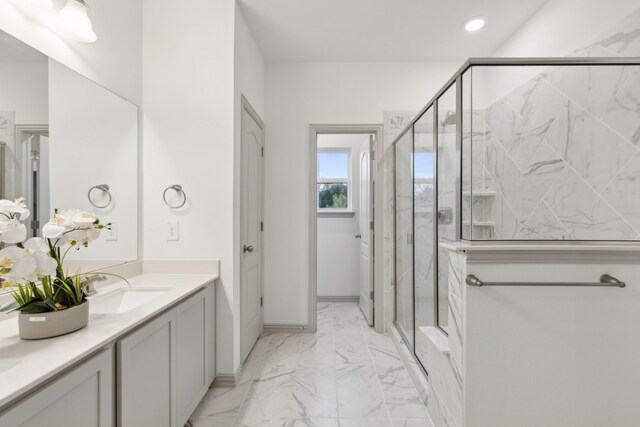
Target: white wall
{"type": "Point", "coordinates": [299, 94]}
{"type": "Point", "coordinates": [188, 139]}
{"type": "Point", "coordinates": [192, 137]}
{"type": "Point", "coordinates": [114, 61]}
{"type": "Point", "coordinates": [338, 249]}
{"type": "Point", "coordinates": [561, 26]}
{"type": "Point", "coordinates": [24, 89]}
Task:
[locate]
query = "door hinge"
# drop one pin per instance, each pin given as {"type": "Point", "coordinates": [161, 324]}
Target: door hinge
{"type": "Point", "coordinates": [261, 301]}
{"type": "Point", "coordinates": [371, 225]}
{"type": "Point", "coordinates": [262, 151]}
{"type": "Point", "coordinates": [261, 225]}
{"type": "Point", "coordinates": [373, 155]}
{"type": "Point", "coordinates": [371, 295]}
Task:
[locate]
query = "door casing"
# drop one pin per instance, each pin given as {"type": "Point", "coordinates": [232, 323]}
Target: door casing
{"type": "Point", "coordinates": [314, 131]}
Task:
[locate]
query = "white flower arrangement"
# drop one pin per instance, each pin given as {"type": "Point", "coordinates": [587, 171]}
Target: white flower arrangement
{"type": "Point", "coordinates": [33, 269]}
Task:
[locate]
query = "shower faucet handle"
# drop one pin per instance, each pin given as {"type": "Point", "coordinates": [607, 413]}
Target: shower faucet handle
{"type": "Point", "coordinates": [445, 215]}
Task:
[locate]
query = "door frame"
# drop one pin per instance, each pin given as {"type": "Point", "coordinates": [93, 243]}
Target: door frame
{"type": "Point", "coordinates": [246, 106]}
{"type": "Point", "coordinates": [314, 131]}
{"type": "Point", "coordinates": [19, 136]}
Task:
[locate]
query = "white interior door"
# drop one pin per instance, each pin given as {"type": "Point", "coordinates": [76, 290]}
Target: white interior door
{"type": "Point", "coordinates": [251, 233]}
{"type": "Point", "coordinates": [366, 233]}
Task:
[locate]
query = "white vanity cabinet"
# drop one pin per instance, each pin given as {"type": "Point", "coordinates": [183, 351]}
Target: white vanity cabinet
{"type": "Point", "coordinates": [82, 397]}
{"type": "Point", "coordinates": [164, 367]}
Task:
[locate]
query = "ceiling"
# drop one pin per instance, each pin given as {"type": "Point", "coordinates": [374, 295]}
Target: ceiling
{"type": "Point", "coordinates": [381, 30]}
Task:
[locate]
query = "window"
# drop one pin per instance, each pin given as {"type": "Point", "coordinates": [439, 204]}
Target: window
{"type": "Point", "coordinates": [334, 180]}
{"type": "Point", "coordinates": [423, 180]}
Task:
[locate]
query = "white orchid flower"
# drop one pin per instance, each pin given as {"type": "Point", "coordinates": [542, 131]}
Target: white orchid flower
{"type": "Point", "coordinates": [16, 265]}
{"type": "Point", "coordinates": [45, 265]}
{"type": "Point", "coordinates": [9, 256]}
{"type": "Point", "coordinates": [36, 245]}
{"type": "Point", "coordinates": [12, 231]}
{"type": "Point", "coordinates": [83, 237]}
{"type": "Point", "coordinates": [53, 230]}
{"type": "Point", "coordinates": [83, 218]}
{"type": "Point", "coordinates": [18, 207]}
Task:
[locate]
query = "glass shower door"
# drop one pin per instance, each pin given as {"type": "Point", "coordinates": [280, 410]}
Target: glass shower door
{"type": "Point", "coordinates": [424, 168]}
{"type": "Point", "coordinates": [404, 235]}
{"type": "Point", "coordinates": [447, 182]}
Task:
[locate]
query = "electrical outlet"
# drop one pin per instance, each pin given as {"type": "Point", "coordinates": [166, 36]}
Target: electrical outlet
{"type": "Point", "coordinates": [172, 231]}
{"type": "Point", "coordinates": [112, 235]}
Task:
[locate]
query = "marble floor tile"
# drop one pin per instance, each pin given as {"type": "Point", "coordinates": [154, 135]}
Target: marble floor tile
{"type": "Point", "coordinates": [313, 422]}
{"type": "Point", "coordinates": [213, 422]}
{"type": "Point", "coordinates": [222, 402]}
{"type": "Point", "coordinates": [365, 422]}
{"type": "Point", "coordinates": [278, 422]}
{"type": "Point", "coordinates": [352, 350]}
{"type": "Point", "coordinates": [412, 423]}
{"type": "Point", "coordinates": [399, 392]}
{"type": "Point", "coordinates": [314, 393]}
{"type": "Point", "coordinates": [345, 375]}
{"type": "Point", "coordinates": [359, 392]}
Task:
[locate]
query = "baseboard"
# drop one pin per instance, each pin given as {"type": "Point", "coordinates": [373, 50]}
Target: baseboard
{"type": "Point", "coordinates": [337, 298]}
{"type": "Point", "coordinates": [224, 381]}
{"type": "Point", "coordinates": [227, 380]}
{"type": "Point", "coordinates": [274, 328]}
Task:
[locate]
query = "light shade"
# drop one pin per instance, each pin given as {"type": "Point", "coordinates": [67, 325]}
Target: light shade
{"type": "Point", "coordinates": [74, 20]}
{"type": "Point", "coordinates": [474, 24]}
{"type": "Point", "coordinates": [41, 4]}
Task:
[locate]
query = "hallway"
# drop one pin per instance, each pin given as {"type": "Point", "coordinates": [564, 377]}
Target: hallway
{"type": "Point", "coordinates": [345, 375]}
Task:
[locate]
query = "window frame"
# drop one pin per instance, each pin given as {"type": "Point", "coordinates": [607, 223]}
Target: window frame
{"type": "Point", "coordinates": [431, 181]}
{"type": "Point", "coordinates": [348, 180]}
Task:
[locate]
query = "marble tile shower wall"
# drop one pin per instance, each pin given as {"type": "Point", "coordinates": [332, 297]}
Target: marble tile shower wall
{"type": "Point", "coordinates": [562, 152]}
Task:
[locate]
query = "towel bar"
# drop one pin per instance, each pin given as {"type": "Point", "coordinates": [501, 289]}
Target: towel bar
{"type": "Point", "coordinates": [605, 280]}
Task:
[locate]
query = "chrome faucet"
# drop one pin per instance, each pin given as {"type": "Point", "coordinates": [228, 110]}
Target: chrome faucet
{"type": "Point", "coordinates": [87, 284]}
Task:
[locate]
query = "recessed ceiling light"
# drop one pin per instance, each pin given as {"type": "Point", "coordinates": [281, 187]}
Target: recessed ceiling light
{"type": "Point", "coordinates": [474, 24]}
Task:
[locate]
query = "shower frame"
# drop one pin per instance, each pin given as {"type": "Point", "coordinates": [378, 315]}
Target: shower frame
{"type": "Point", "coordinates": [457, 81]}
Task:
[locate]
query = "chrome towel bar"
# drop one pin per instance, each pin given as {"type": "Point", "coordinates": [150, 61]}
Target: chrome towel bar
{"type": "Point", "coordinates": [605, 280]}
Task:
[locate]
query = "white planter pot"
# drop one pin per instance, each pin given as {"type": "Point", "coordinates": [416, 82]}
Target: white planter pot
{"type": "Point", "coordinates": [46, 325]}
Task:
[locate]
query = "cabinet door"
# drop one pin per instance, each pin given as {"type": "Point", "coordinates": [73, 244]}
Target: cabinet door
{"type": "Point", "coordinates": [191, 356]}
{"type": "Point", "coordinates": [210, 304]}
{"type": "Point", "coordinates": [83, 397]}
{"type": "Point", "coordinates": [146, 373]}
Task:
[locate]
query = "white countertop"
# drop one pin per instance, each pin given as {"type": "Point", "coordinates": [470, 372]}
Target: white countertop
{"type": "Point", "coordinates": [26, 364]}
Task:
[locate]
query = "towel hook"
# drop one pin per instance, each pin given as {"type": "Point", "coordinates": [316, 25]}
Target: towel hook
{"type": "Point", "coordinates": [105, 189]}
{"type": "Point", "coordinates": [178, 189]}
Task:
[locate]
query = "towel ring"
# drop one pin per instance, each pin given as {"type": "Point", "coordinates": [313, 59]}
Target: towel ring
{"type": "Point", "coordinates": [178, 189]}
{"type": "Point", "coordinates": [105, 189]}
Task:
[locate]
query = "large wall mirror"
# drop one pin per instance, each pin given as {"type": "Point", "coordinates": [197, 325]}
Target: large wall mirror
{"type": "Point", "coordinates": [67, 142]}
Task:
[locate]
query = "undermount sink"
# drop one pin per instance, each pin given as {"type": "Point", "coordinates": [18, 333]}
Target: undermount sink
{"type": "Point", "coordinates": [122, 300]}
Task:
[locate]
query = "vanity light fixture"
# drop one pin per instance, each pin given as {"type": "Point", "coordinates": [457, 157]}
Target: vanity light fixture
{"type": "Point", "coordinates": [474, 24]}
{"type": "Point", "coordinates": [74, 20]}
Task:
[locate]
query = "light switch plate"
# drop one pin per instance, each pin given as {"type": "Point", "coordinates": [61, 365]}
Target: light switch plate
{"type": "Point", "coordinates": [172, 231]}
{"type": "Point", "coordinates": [112, 235]}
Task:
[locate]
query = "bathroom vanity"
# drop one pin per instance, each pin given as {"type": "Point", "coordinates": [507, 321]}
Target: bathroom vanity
{"type": "Point", "coordinates": [147, 357]}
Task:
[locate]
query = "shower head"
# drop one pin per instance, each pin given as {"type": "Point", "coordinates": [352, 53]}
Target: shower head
{"type": "Point", "coordinates": [449, 119]}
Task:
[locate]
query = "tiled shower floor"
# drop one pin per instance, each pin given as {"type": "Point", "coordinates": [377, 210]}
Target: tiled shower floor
{"type": "Point", "coordinates": [345, 375]}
